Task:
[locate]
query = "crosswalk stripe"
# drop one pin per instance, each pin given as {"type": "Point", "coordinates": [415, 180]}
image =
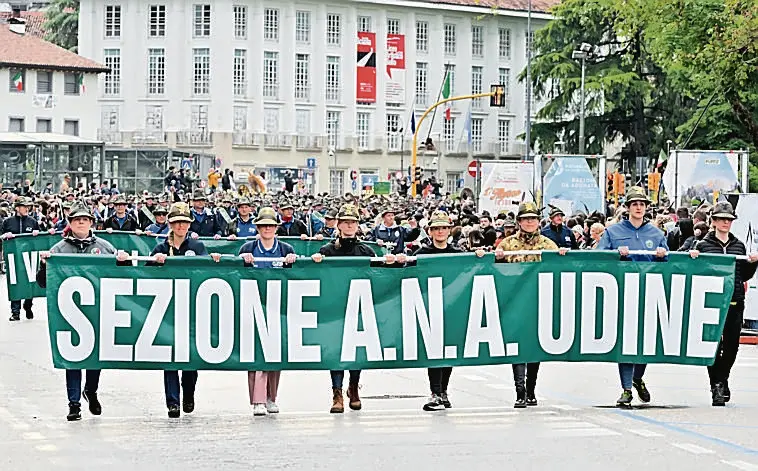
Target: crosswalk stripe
{"type": "Point", "coordinates": [744, 466]}
{"type": "Point", "coordinates": [692, 448]}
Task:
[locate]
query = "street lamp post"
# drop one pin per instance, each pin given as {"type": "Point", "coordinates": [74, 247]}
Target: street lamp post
{"type": "Point", "coordinates": [584, 52]}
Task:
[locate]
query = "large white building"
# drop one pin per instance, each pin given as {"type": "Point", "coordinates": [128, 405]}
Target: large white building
{"type": "Point", "coordinates": [284, 84]}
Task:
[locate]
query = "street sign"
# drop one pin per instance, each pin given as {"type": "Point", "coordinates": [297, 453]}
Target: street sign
{"type": "Point", "coordinates": [310, 162]}
{"type": "Point", "coordinates": [472, 168]}
{"type": "Point", "coordinates": [399, 175]}
{"type": "Point", "coordinates": [353, 175]}
{"type": "Point", "coordinates": [382, 188]}
{"type": "Point", "coordinates": [354, 184]}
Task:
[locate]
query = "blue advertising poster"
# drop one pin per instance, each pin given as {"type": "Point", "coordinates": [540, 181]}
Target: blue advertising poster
{"type": "Point", "coordinates": [368, 180]}
{"type": "Point", "coordinates": [700, 176]}
{"type": "Point", "coordinates": [570, 185]}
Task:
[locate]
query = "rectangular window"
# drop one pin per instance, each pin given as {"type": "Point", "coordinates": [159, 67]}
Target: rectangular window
{"type": "Point", "coordinates": [393, 26]}
{"type": "Point", "coordinates": [156, 71]}
{"type": "Point", "coordinates": [529, 44]}
{"type": "Point", "coordinates": [240, 22]}
{"type": "Point", "coordinates": [271, 24]}
{"type": "Point", "coordinates": [333, 75]}
{"type": "Point", "coordinates": [271, 121]}
{"type": "Point", "coordinates": [504, 78]}
{"type": "Point", "coordinates": [240, 73]}
{"type": "Point", "coordinates": [449, 39]}
{"type": "Point", "coordinates": [271, 75]}
{"type": "Point", "coordinates": [44, 82]}
{"type": "Point", "coordinates": [333, 29]}
{"type": "Point", "coordinates": [302, 122]}
{"type": "Point", "coordinates": [44, 125]}
{"type": "Point", "coordinates": [393, 131]}
{"type": "Point", "coordinates": [422, 86]}
{"type": "Point", "coordinates": [157, 21]}
{"type": "Point", "coordinates": [202, 21]}
{"type": "Point", "coordinates": [504, 43]}
{"type": "Point", "coordinates": [72, 83]}
{"type": "Point", "coordinates": [362, 128]}
{"type": "Point", "coordinates": [154, 118]}
{"type": "Point", "coordinates": [18, 80]}
{"type": "Point", "coordinates": [240, 118]}
{"type": "Point", "coordinates": [448, 134]}
{"type": "Point", "coordinates": [302, 77]}
{"type": "Point", "coordinates": [451, 182]}
{"type": "Point", "coordinates": [364, 24]}
{"type": "Point", "coordinates": [422, 36]}
{"type": "Point", "coordinates": [477, 41]}
{"type": "Point", "coordinates": [303, 27]}
{"type": "Point", "coordinates": [201, 59]}
{"type": "Point", "coordinates": [476, 133]}
{"type": "Point", "coordinates": [109, 118]}
{"type": "Point", "coordinates": [112, 21]}
{"type": "Point", "coordinates": [71, 127]}
{"type": "Point", "coordinates": [112, 79]}
{"type": "Point", "coordinates": [476, 85]}
{"type": "Point", "coordinates": [336, 182]}
{"type": "Point", "coordinates": [333, 129]}
{"type": "Point", "coordinates": [504, 136]}
{"type": "Point", "coordinates": [199, 118]}
{"type": "Point", "coordinates": [16, 125]}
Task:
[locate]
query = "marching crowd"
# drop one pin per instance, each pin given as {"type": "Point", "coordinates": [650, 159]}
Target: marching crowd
{"type": "Point", "coordinates": [403, 226]}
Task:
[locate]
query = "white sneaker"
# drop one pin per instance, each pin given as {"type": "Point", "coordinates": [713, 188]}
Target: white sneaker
{"type": "Point", "coordinates": [271, 407]}
{"type": "Point", "coordinates": [259, 409]}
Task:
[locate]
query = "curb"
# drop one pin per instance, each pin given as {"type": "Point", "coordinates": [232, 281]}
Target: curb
{"type": "Point", "coordinates": [752, 340]}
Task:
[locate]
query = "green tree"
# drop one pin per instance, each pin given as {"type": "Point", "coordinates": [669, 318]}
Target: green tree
{"type": "Point", "coordinates": [62, 24]}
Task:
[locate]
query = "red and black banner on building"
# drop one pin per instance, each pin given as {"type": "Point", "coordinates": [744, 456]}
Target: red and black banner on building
{"type": "Point", "coordinates": [366, 68]}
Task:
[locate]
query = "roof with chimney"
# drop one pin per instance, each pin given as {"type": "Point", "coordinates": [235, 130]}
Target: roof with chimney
{"type": "Point", "coordinates": [35, 21]}
{"type": "Point", "coordinates": [30, 52]}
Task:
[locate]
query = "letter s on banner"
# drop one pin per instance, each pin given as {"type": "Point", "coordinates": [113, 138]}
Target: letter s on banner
{"type": "Point", "coordinates": [76, 318]}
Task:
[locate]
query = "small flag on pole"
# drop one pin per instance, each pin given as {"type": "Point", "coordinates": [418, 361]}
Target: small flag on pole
{"type": "Point", "coordinates": [18, 81]}
{"type": "Point", "coordinates": [446, 94]}
{"type": "Point", "coordinates": [413, 122]}
{"type": "Point", "coordinates": [80, 82]}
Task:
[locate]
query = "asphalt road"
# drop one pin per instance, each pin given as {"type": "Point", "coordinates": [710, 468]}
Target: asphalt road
{"type": "Point", "coordinates": [575, 427]}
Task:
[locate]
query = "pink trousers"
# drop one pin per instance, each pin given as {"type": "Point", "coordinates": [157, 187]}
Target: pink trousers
{"type": "Point", "coordinates": [262, 385]}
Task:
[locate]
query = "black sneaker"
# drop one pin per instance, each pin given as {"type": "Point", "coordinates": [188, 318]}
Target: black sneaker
{"type": "Point", "coordinates": [520, 400]}
{"type": "Point", "coordinates": [188, 403]}
{"type": "Point", "coordinates": [74, 411]}
{"type": "Point", "coordinates": [29, 314]}
{"type": "Point", "coordinates": [435, 403]}
{"type": "Point", "coordinates": [94, 405]}
{"type": "Point", "coordinates": [531, 399]}
{"type": "Point", "coordinates": [626, 399]}
{"type": "Point", "coordinates": [173, 411]}
{"type": "Point", "coordinates": [642, 391]}
{"type": "Point", "coordinates": [727, 392]}
{"type": "Point", "coordinates": [15, 317]}
{"type": "Point", "coordinates": [445, 400]}
{"type": "Point", "coordinates": [717, 394]}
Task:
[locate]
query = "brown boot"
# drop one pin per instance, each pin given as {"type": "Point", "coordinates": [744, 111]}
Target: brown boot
{"type": "Point", "coordinates": [338, 405]}
{"type": "Point", "coordinates": [355, 399]}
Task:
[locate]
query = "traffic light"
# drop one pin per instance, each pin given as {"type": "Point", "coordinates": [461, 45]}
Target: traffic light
{"type": "Point", "coordinates": [619, 183]}
{"type": "Point", "coordinates": [417, 176]}
{"type": "Point", "coordinates": [609, 185]}
{"type": "Point", "coordinates": [497, 99]}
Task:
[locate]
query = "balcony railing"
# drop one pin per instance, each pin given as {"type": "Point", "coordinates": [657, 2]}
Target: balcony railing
{"type": "Point", "coordinates": [145, 137]}
{"type": "Point", "coordinates": [246, 139]}
{"type": "Point", "coordinates": [110, 137]}
{"type": "Point", "coordinates": [277, 141]}
{"type": "Point", "coordinates": [195, 137]}
{"type": "Point", "coordinates": [310, 142]}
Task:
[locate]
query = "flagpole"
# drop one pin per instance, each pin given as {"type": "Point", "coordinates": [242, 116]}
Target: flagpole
{"type": "Point", "coordinates": [439, 94]}
{"type": "Point", "coordinates": [529, 79]}
{"type": "Point", "coordinates": [402, 136]}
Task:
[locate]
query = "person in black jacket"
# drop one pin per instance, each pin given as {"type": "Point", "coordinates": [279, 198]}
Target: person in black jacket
{"type": "Point", "coordinates": [722, 241]}
{"type": "Point", "coordinates": [121, 220]}
{"type": "Point", "coordinates": [346, 245]}
{"type": "Point", "coordinates": [21, 223]}
{"type": "Point", "coordinates": [178, 243]}
{"type": "Point", "coordinates": [204, 224]}
{"type": "Point", "coordinates": [488, 232]}
{"type": "Point", "coordinates": [291, 226]}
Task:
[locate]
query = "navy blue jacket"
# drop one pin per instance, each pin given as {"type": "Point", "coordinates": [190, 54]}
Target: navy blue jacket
{"type": "Point", "coordinates": [208, 227]}
{"type": "Point", "coordinates": [194, 247]}
{"type": "Point", "coordinates": [563, 237]}
{"type": "Point", "coordinates": [398, 235]}
{"type": "Point", "coordinates": [20, 225]}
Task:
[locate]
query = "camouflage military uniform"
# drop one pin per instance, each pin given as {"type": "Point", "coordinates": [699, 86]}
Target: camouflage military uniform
{"type": "Point", "coordinates": [523, 241]}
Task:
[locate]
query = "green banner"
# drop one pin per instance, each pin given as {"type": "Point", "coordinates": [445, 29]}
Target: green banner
{"type": "Point", "coordinates": [452, 310]}
{"type": "Point", "coordinates": [21, 254]}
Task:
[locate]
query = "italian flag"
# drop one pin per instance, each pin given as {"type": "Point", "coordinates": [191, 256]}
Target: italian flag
{"type": "Point", "coordinates": [80, 82]}
{"type": "Point", "coordinates": [18, 81]}
{"type": "Point", "coordinates": [446, 94]}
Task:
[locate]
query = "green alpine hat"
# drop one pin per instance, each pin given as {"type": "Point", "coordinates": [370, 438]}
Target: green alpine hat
{"type": "Point", "coordinates": [723, 210]}
{"type": "Point", "coordinates": [528, 210]}
{"type": "Point", "coordinates": [348, 212]}
{"type": "Point", "coordinates": [119, 199]}
{"type": "Point", "coordinates": [555, 211]}
{"type": "Point", "coordinates": [636, 193]}
{"type": "Point", "coordinates": [243, 200]}
{"type": "Point", "coordinates": [160, 210]}
{"type": "Point", "coordinates": [199, 195]}
{"type": "Point", "coordinates": [23, 201]}
{"type": "Point", "coordinates": [79, 210]}
{"type": "Point", "coordinates": [440, 219]}
{"type": "Point", "coordinates": [286, 205]}
{"type": "Point", "coordinates": [179, 212]}
{"type": "Point", "coordinates": [266, 217]}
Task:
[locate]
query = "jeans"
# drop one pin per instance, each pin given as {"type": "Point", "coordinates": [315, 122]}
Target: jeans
{"type": "Point", "coordinates": [16, 306]}
{"type": "Point", "coordinates": [171, 385]}
{"type": "Point", "coordinates": [339, 376]}
{"type": "Point", "coordinates": [525, 376]}
{"type": "Point", "coordinates": [629, 371]}
{"type": "Point", "coordinates": [730, 343]}
{"type": "Point", "coordinates": [439, 378]}
{"type": "Point", "coordinates": [74, 383]}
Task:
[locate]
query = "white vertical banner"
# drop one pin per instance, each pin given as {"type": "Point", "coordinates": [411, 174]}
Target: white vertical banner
{"type": "Point", "coordinates": [505, 185]}
{"type": "Point", "coordinates": [745, 228]}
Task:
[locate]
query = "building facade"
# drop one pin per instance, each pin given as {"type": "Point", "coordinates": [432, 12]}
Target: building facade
{"type": "Point", "coordinates": [44, 87]}
{"type": "Point", "coordinates": [321, 88]}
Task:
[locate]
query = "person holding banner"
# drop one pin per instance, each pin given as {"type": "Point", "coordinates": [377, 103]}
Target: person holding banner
{"type": "Point", "coordinates": [264, 385]}
{"type": "Point", "coordinates": [557, 231]}
{"type": "Point", "coordinates": [243, 225]}
{"type": "Point", "coordinates": [178, 243]}
{"type": "Point", "coordinates": [160, 226]}
{"type": "Point", "coordinates": [722, 241]}
{"type": "Point", "coordinates": [527, 237]}
{"type": "Point", "coordinates": [634, 233]}
{"type": "Point", "coordinates": [291, 226]}
{"type": "Point", "coordinates": [20, 223]}
{"type": "Point", "coordinates": [78, 238]}
{"type": "Point", "coordinates": [346, 245]}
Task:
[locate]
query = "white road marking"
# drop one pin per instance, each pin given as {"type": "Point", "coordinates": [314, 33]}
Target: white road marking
{"type": "Point", "coordinates": [573, 424]}
{"type": "Point", "coordinates": [584, 432]}
{"type": "Point", "coordinates": [499, 386]}
{"type": "Point", "coordinates": [474, 377]}
{"type": "Point", "coordinates": [645, 433]}
{"type": "Point", "coordinates": [564, 407]}
{"type": "Point", "coordinates": [47, 447]}
{"type": "Point", "coordinates": [33, 436]}
{"type": "Point", "coordinates": [605, 419]}
{"type": "Point", "coordinates": [692, 448]}
{"type": "Point", "coordinates": [741, 465]}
